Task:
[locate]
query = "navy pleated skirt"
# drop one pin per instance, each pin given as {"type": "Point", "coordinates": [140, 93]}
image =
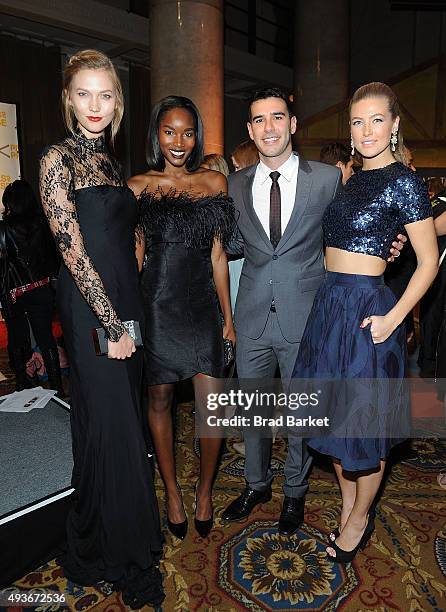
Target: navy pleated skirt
{"type": "Point", "coordinates": [369, 404]}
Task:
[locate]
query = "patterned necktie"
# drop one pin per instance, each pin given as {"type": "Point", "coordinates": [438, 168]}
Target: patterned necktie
{"type": "Point", "coordinates": [275, 228]}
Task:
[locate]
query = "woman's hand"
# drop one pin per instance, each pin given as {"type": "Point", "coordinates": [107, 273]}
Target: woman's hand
{"type": "Point", "coordinates": [229, 332]}
{"type": "Point", "coordinates": [380, 327]}
{"type": "Point", "coordinates": [122, 349]}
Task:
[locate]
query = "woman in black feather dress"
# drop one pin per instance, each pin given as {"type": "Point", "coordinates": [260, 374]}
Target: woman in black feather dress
{"type": "Point", "coordinates": [186, 218]}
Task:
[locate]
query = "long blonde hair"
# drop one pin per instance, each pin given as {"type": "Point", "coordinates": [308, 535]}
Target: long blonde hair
{"type": "Point", "coordinates": [381, 90]}
{"type": "Point", "coordinates": [90, 59]}
{"type": "Point", "coordinates": [217, 162]}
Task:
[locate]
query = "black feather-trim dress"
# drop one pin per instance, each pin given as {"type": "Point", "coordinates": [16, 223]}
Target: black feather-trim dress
{"type": "Point", "coordinates": [183, 327]}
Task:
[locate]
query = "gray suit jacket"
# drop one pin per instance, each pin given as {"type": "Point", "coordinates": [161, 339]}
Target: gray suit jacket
{"type": "Point", "coordinates": [292, 273]}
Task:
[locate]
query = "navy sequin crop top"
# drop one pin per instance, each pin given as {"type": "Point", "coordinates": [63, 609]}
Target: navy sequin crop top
{"type": "Point", "coordinates": [372, 209]}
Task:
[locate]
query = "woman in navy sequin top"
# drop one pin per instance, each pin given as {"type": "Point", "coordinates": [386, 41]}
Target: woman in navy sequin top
{"type": "Point", "coordinates": [354, 330]}
{"type": "Point", "coordinates": [373, 208]}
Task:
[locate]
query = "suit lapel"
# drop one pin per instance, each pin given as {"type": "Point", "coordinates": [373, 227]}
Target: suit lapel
{"type": "Point", "coordinates": [249, 206]}
{"type": "Point", "coordinates": [303, 188]}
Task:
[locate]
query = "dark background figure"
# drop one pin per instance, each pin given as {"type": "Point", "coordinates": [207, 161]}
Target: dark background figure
{"type": "Point", "coordinates": [245, 154]}
{"type": "Point", "coordinates": [398, 275]}
{"type": "Point", "coordinates": [431, 359]}
{"type": "Point", "coordinates": [337, 154]}
{"type": "Point", "coordinates": [435, 186]}
{"type": "Point", "coordinates": [29, 262]}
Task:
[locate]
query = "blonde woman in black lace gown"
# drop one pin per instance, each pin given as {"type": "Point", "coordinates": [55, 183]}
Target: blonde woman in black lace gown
{"type": "Point", "coordinates": [187, 217]}
{"type": "Point", "coordinates": [113, 530]}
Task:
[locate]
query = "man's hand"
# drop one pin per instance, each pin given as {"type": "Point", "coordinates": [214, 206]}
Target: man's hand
{"type": "Point", "coordinates": [396, 247]}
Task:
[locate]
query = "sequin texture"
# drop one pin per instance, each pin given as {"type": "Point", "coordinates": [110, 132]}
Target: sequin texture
{"type": "Point", "coordinates": [373, 208]}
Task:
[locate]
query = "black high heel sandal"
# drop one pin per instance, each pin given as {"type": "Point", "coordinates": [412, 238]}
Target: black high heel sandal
{"type": "Point", "coordinates": [336, 533]}
{"type": "Point", "coordinates": [347, 556]}
{"type": "Point", "coordinates": [203, 527]}
{"type": "Point", "coordinates": [179, 530]}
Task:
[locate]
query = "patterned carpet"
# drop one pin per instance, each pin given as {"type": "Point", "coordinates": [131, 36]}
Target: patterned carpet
{"type": "Point", "coordinates": [249, 566]}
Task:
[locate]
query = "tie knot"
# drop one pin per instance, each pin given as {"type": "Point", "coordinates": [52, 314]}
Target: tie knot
{"type": "Point", "coordinates": [274, 176]}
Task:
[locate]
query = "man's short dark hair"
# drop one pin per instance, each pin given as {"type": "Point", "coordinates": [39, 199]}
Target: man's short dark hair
{"type": "Point", "coordinates": [335, 152]}
{"type": "Point", "coordinates": [269, 92]}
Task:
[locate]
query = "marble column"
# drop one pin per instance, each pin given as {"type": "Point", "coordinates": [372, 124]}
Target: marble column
{"type": "Point", "coordinates": [186, 59]}
{"type": "Point", "coordinates": [322, 50]}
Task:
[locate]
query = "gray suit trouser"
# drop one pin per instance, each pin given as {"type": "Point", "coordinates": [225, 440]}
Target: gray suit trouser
{"type": "Point", "coordinates": [259, 359]}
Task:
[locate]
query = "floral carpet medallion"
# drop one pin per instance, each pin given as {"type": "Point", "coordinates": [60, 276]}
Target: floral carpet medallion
{"type": "Point", "coordinates": [263, 570]}
{"type": "Point", "coordinates": [235, 466]}
{"type": "Point", "coordinates": [233, 463]}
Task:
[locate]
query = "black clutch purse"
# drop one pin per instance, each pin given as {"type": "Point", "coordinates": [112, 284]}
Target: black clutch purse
{"type": "Point", "coordinates": [228, 347]}
{"type": "Point", "coordinates": [228, 351]}
{"type": "Point", "coordinates": [101, 341]}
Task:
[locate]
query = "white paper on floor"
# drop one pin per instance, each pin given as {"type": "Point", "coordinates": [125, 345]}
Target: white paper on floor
{"type": "Point", "coordinates": [26, 400]}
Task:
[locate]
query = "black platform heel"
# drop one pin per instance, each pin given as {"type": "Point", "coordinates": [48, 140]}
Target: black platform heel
{"type": "Point", "coordinates": [179, 530]}
{"type": "Point", "coordinates": [347, 556]}
{"type": "Point", "coordinates": [203, 527]}
{"type": "Point", "coordinates": [336, 533]}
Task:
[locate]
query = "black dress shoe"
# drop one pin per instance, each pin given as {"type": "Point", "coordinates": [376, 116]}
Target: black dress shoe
{"type": "Point", "coordinates": [292, 515]}
{"type": "Point", "coordinates": [242, 507]}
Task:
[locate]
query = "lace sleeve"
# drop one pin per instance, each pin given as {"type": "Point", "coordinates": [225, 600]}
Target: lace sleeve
{"type": "Point", "coordinates": [57, 194]}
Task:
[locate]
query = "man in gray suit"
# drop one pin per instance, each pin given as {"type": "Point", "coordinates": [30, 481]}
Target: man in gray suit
{"type": "Point", "coordinates": [280, 202]}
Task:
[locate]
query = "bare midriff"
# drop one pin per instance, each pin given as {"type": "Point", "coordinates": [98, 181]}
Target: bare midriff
{"type": "Point", "coordinates": [337, 260]}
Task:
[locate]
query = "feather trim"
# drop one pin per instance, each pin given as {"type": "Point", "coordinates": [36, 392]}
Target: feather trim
{"type": "Point", "coordinates": [198, 220]}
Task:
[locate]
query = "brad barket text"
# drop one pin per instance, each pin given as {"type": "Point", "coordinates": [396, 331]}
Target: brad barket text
{"type": "Point", "coordinates": [288, 420]}
{"type": "Point", "coordinates": [245, 400]}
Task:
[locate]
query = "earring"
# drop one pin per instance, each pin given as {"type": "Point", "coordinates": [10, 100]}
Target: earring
{"type": "Point", "coordinates": [352, 145]}
{"type": "Point", "coordinates": [393, 141]}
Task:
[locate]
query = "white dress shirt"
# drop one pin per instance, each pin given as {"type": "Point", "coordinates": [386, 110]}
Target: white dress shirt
{"type": "Point", "coordinates": [261, 189]}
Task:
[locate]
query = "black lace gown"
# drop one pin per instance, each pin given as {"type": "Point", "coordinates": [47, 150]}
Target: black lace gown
{"type": "Point", "coordinates": [184, 330]}
{"type": "Point", "coordinates": [113, 530]}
